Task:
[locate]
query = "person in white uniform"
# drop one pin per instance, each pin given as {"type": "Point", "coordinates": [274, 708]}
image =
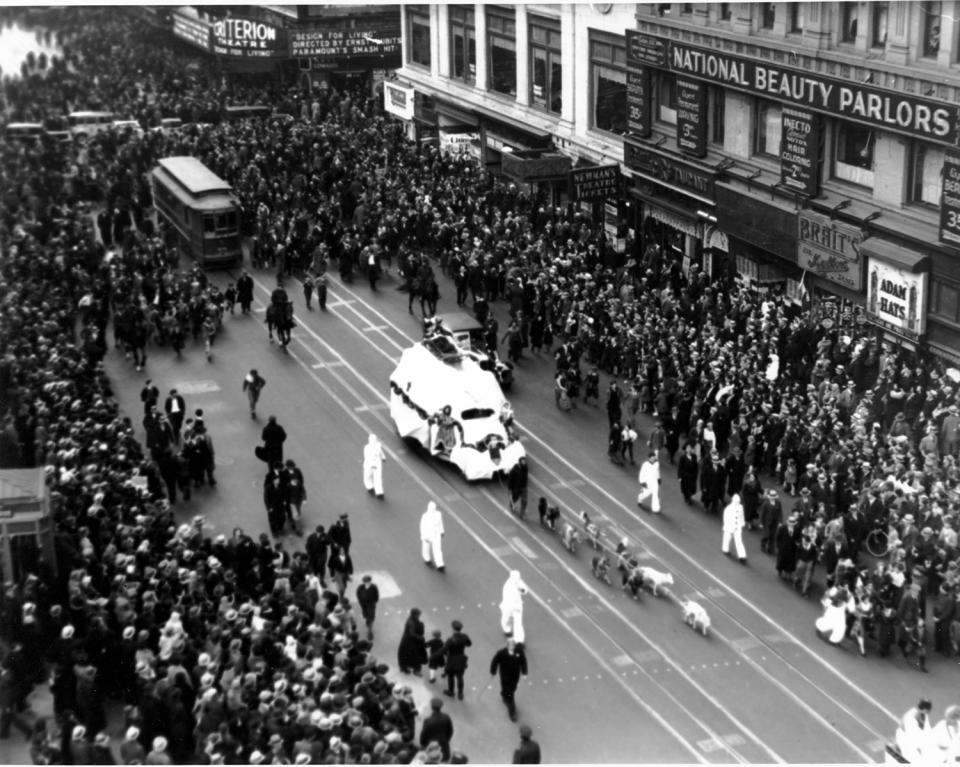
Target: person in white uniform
{"type": "Point", "coordinates": [431, 536]}
{"type": "Point", "coordinates": [733, 528]}
{"type": "Point", "coordinates": [511, 606]}
{"type": "Point", "coordinates": [373, 458]}
{"type": "Point", "coordinates": [650, 483]}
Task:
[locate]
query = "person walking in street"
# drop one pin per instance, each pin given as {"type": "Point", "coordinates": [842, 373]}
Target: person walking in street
{"type": "Point", "coordinates": [511, 606]}
{"type": "Point", "coordinates": [273, 498]}
{"type": "Point", "coordinates": [431, 537]}
{"type": "Point", "coordinates": [176, 410]}
{"type": "Point", "coordinates": [528, 752]}
{"type": "Point", "coordinates": [253, 384]}
{"type": "Point", "coordinates": [295, 494]}
{"type": "Point", "coordinates": [771, 515]}
{"type": "Point", "coordinates": [367, 597]}
{"type": "Point", "coordinates": [308, 287]}
{"type": "Point", "coordinates": [455, 648]}
{"type": "Point", "coordinates": [373, 458]}
{"type": "Point", "coordinates": [340, 568]}
{"type": "Point", "coordinates": [649, 479]}
{"type": "Point", "coordinates": [317, 547]}
{"type": "Point", "coordinates": [273, 436]}
{"type": "Point", "coordinates": [733, 528]}
{"type": "Point", "coordinates": [322, 292]}
{"type": "Point", "coordinates": [688, 471]}
{"type": "Point", "coordinates": [339, 533]}
{"type": "Point", "coordinates": [412, 651]}
{"type": "Point", "coordinates": [511, 663]}
{"type": "Point", "coordinates": [245, 291]}
{"type": "Point", "coordinates": [437, 728]}
{"type": "Point", "coordinates": [517, 488]}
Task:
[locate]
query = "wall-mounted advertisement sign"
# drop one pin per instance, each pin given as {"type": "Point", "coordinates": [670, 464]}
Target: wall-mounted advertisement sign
{"type": "Point", "coordinates": [830, 249]}
{"type": "Point", "coordinates": [398, 100]}
{"type": "Point", "coordinates": [667, 170]}
{"type": "Point", "coordinates": [897, 299]}
{"type": "Point", "coordinates": [897, 111]}
{"type": "Point", "coordinates": [950, 199]}
{"type": "Point", "coordinates": [599, 183]}
{"type": "Point", "coordinates": [638, 102]}
{"type": "Point", "coordinates": [194, 31]}
{"type": "Point", "coordinates": [692, 116]}
{"type": "Point", "coordinates": [247, 38]}
{"type": "Point", "coordinates": [800, 139]}
{"type": "Point", "coordinates": [350, 44]}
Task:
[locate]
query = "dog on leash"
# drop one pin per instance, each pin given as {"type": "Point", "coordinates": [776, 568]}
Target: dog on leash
{"type": "Point", "coordinates": [600, 566]}
{"type": "Point", "coordinates": [569, 537]}
{"type": "Point", "coordinates": [654, 579]}
{"type": "Point", "coordinates": [592, 530]}
{"type": "Point", "coordinates": [548, 514]}
{"type": "Point", "coordinates": [696, 617]}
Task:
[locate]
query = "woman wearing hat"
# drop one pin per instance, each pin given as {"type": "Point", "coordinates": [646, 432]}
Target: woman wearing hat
{"type": "Point", "coordinates": [412, 652]}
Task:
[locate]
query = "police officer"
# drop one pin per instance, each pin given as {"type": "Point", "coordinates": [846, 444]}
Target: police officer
{"type": "Point", "coordinates": [455, 648]}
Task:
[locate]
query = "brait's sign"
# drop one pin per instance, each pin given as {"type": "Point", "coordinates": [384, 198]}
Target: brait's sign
{"type": "Point", "coordinates": [830, 249]}
{"type": "Point", "coordinates": [248, 38]}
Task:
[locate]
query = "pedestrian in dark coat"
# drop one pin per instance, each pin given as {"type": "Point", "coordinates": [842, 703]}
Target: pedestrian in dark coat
{"type": "Point", "coordinates": [437, 727]}
{"type": "Point", "coordinates": [273, 436]}
{"type": "Point", "coordinates": [771, 516]}
{"type": "Point", "coordinates": [245, 292]}
{"type": "Point", "coordinates": [455, 648]}
{"type": "Point", "coordinates": [511, 663]}
{"type": "Point", "coordinates": [613, 404]}
{"type": "Point", "coordinates": [517, 486]}
{"type": "Point", "coordinates": [317, 546]}
{"type": "Point", "coordinates": [688, 471]}
{"type": "Point", "coordinates": [528, 752]}
{"type": "Point", "coordinates": [367, 597]}
{"type": "Point", "coordinates": [340, 568]}
{"type": "Point", "coordinates": [712, 483]}
{"type": "Point", "coordinates": [176, 410]}
{"type": "Point", "coordinates": [788, 546]}
{"type": "Point", "coordinates": [412, 652]}
{"type": "Point", "coordinates": [751, 493]}
{"type": "Point", "coordinates": [340, 533]}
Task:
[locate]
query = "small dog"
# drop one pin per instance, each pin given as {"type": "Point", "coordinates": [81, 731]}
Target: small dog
{"type": "Point", "coordinates": [654, 579]}
{"type": "Point", "coordinates": [592, 530]}
{"type": "Point", "coordinates": [696, 617]}
{"type": "Point", "coordinates": [601, 569]}
{"type": "Point", "coordinates": [548, 514]}
{"type": "Point", "coordinates": [569, 537]}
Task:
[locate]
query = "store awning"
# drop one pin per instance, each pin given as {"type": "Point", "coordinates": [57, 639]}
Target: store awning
{"type": "Point", "coordinates": [903, 258]}
{"type": "Point", "coordinates": [535, 165]}
{"type": "Point", "coordinates": [680, 218]}
{"type": "Point", "coordinates": [459, 115]}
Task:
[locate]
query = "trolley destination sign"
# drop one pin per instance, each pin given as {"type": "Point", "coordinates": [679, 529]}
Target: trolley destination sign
{"type": "Point", "coordinates": [897, 111]}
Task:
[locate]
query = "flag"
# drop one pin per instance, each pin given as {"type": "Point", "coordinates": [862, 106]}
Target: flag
{"type": "Point", "coordinates": [802, 293]}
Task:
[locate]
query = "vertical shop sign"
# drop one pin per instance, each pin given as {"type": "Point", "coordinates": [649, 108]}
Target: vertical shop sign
{"type": "Point", "coordinates": [691, 116]}
{"type": "Point", "coordinates": [800, 151]}
{"type": "Point", "coordinates": [638, 102]}
{"type": "Point", "coordinates": [950, 199]}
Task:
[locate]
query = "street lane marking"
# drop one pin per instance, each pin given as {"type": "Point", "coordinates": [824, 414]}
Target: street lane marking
{"type": "Point", "coordinates": [745, 643]}
{"type": "Point", "coordinates": [195, 387]}
{"type": "Point", "coordinates": [386, 583]}
{"type": "Point", "coordinates": [369, 408]}
{"type": "Point", "coordinates": [622, 660]}
{"type": "Point", "coordinates": [646, 656]}
{"type": "Point", "coordinates": [374, 328]}
{"type": "Point", "coordinates": [877, 745]}
{"type": "Point", "coordinates": [331, 364]}
{"type": "Point", "coordinates": [710, 745]}
{"type": "Point", "coordinates": [571, 612]}
{"type": "Point", "coordinates": [523, 548]}
{"type": "Point", "coordinates": [564, 483]}
{"type": "Point", "coordinates": [716, 592]}
{"type": "Point", "coordinates": [778, 638]}
{"type": "Point", "coordinates": [341, 302]}
{"type": "Point", "coordinates": [502, 551]}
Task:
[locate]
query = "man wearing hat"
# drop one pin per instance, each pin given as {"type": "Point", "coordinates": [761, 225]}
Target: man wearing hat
{"type": "Point", "coordinates": [158, 754]}
{"type": "Point", "coordinates": [771, 516]}
{"type": "Point", "coordinates": [437, 727]}
{"type": "Point", "coordinates": [511, 663]}
{"type": "Point", "coordinates": [131, 750]}
{"type": "Point", "coordinates": [528, 752]}
{"type": "Point", "coordinates": [339, 533]}
{"type": "Point", "coordinates": [455, 649]}
{"type": "Point", "coordinates": [101, 749]}
{"type": "Point", "coordinates": [367, 597]}
{"type": "Point", "coordinates": [713, 481]}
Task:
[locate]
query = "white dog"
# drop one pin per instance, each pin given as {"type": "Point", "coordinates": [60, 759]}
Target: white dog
{"type": "Point", "coordinates": [655, 580]}
{"type": "Point", "coordinates": [696, 617]}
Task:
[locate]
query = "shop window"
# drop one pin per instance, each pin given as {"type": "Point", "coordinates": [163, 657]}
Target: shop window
{"type": "Point", "coordinates": [926, 167]}
{"type": "Point", "coordinates": [723, 12]}
{"type": "Point", "coordinates": [853, 154]}
{"type": "Point", "coordinates": [608, 58]}
{"type": "Point", "coordinates": [878, 34]}
{"type": "Point", "coordinates": [768, 128]}
{"type": "Point", "coordinates": [717, 114]}
{"type": "Point", "coordinates": [502, 34]}
{"type": "Point", "coordinates": [546, 69]}
{"type": "Point", "coordinates": [930, 11]}
{"type": "Point", "coordinates": [768, 15]}
{"type": "Point", "coordinates": [848, 22]}
{"type": "Point", "coordinates": [463, 44]}
{"type": "Point", "coordinates": [945, 301]}
{"type": "Point", "coordinates": [666, 94]}
{"type": "Point", "coordinates": [796, 17]}
{"type": "Point", "coordinates": [419, 37]}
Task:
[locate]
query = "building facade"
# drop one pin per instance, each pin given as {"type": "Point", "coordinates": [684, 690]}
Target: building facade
{"type": "Point", "coordinates": [807, 145]}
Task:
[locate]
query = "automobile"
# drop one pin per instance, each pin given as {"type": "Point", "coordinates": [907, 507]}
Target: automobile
{"type": "Point", "coordinates": [443, 401]}
{"type": "Point", "coordinates": [128, 127]}
{"type": "Point", "coordinates": [58, 129]}
{"type": "Point", "coordinates": [24, 133]}
{"type": "Point", "coordinates": [168, 125]}
{"type": "Point", "coordinates": [468, 334]}
{"type": "Point", "coordinates": [87, 123]}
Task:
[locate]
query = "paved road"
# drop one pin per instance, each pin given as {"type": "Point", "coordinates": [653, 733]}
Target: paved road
{"type": "Point", "coordinates": [611, 680]}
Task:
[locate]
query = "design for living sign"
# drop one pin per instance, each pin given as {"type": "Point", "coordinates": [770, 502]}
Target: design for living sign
{"type": "Point", "coordinates": [896, 299]}
{"type": "Point", "coordinates": [829, 249]}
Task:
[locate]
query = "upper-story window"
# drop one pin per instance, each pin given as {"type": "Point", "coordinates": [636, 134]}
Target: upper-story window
{"type": "Point", "coordinates": [926, 165]}
{"type": "Point", "coordinates": [686, 8]}
{"type": "Point", "coordinates": [418, 24]}
{"type": "Point", "coordinates": [717, 114]}
{"type": "Point", "coordinates": [853, 153]}
{"type": "Point", "coordinates": [463, 43]}
{"type": "Point", "coordinates": [608, 72]}
{"type": "Point", "coordinates": [848, 22]}
{"type": "Point", "coordinates": [796, 17]}
{"type": "Point", "coordinates": [768, 128]}
{"type": "Point", "coordinates": [666, 96]}
{"type": "Point", "coordinates": [768, 15]}
{"type": "Point", "coordinates": [930, 11]}
{"type": "Point", "coordinates": [502, 36]}
{"type": "Point", "coordinates": [878, 33]}
{"type": "Point", "coordinates": [723, 12]}
{"type": "Point", "coordinates": [546, 68]}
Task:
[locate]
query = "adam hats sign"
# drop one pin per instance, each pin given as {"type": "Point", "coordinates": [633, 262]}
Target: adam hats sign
{"type": "Point", "coordinates": [398, 100]}
{"type": "Point", "coordinates": [896, 298]}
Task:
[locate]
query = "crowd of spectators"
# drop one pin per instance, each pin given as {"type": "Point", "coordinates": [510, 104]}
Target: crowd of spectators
{"type": "Point", "coordinates": [856, 435]}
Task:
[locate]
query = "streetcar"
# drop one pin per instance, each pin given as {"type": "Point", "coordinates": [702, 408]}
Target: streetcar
{"type": "Point", "coordinates": [200, 208]}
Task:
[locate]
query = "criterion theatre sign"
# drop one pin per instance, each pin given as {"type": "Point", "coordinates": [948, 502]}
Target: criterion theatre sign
{"type": "Point", "coordinates": [917, 116]}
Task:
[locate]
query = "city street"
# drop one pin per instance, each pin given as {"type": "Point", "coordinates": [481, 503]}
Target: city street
{"type": "Point", "coordinates": [610, 679]}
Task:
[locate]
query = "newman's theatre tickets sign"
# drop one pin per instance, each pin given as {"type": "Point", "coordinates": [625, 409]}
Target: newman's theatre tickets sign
{"type": "Point", "coordinates": [917, 116]}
